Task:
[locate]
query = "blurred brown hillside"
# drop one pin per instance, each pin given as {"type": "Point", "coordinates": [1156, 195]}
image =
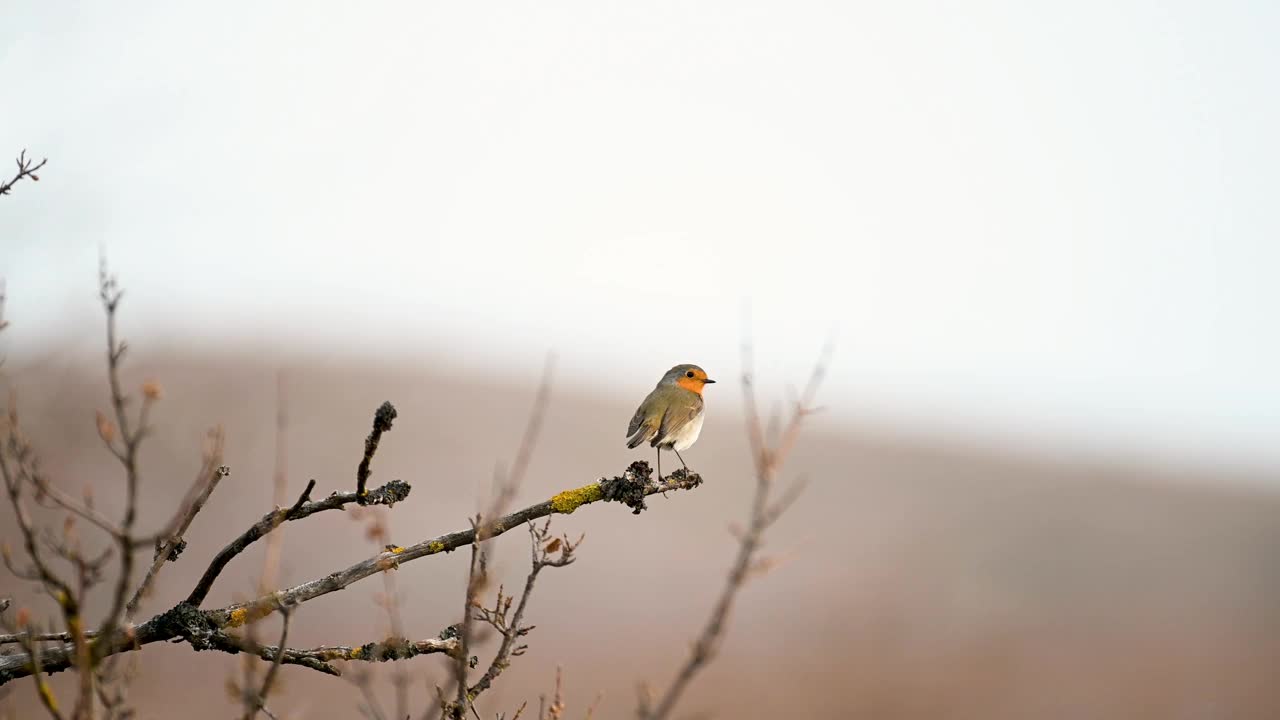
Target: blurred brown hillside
{"type": "Point", "coordinates": [917, 581]}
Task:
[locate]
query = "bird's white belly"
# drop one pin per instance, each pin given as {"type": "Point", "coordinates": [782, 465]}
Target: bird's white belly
{"type": "Point", "coordinates": [688, 435]}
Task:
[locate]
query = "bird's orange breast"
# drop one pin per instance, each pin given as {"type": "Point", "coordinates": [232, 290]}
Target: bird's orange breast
{"type": "Point", "coordinates": [691, 384]}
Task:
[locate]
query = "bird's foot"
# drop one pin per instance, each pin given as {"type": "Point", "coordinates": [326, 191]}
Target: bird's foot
{"type": "Point", "coordinates": [685, 478]}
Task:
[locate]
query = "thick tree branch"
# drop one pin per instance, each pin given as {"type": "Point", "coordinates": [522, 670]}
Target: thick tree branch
{"type": "Point", "coordinates": [629, 488]}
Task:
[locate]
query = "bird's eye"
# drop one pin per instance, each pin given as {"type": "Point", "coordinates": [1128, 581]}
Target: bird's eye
{"type": "Point", "coordinates": [689, 374]}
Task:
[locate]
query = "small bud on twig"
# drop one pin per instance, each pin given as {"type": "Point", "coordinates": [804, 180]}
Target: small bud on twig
{"type": "Point", "coordinates": [106, 428]}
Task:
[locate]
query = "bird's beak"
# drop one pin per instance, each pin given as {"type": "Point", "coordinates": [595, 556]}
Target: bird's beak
{"type": "Point", "coordinates": [708, 380]}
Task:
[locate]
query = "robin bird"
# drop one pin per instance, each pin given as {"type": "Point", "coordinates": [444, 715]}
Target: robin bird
{"type": "Point", "coordinates": [671, 416]}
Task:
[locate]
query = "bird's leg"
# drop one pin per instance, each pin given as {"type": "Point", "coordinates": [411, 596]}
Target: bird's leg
{"type": "Point", "coordinates": [677, 452]}
{"type": "Point", "coordinates": [664, 492]}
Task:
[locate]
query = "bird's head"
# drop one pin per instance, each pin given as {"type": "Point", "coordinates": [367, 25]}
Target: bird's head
{"type": "Point", "coordinates": [689, 377]}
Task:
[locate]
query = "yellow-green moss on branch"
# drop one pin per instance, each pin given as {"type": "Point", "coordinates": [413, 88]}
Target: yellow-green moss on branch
{"type": "Point", "coordinates": [570, 500]}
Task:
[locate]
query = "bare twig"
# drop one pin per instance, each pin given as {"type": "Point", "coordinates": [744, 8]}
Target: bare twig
{"type": "Point", "coordinates": [130, 439]}
{"type": "Point", "coordinates": [112, 687]}
{"type": "Point", "coordinates": [27, 168]}
{"type": "Point", "coordinates": [260, 698]}
{"type": "Point", "coordinates": [211, 471]}
{"type": "Point", "coordinates": [546, 552]}
{"type": "Point", "coordinates": [765, 510]}
{"type": "Point", "coordinates": [372, 708]}
{"type": "Point", "coordinates": [400, 678]}
{"type": "Point", "coordinates": [10, 638]}
{"type": "Point", "coordinates": [556, 708]}
{"type": "Point", "coordinates": [3, 323]}
{"type": "Point", "coordinates": [388, 494]}
{"type": "Point", "coordinates": [45, 490]}
{"type": "Point", "coordinates": [478, 576]}
{"type": "Point", "coordinates": [378, 531]}
{"type": "Point", "coordinates": [15, 475]}
{"type": "Point", "coordinates": [43, 690]}
{"type": "Point", "coordinates": [319, 658]}
{"type": "Point", "coordinates": [253, 695]}
{"type": "Point", "coordinates": [382, 420]}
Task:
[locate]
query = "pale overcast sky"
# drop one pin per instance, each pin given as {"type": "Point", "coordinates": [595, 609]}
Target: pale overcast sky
{"type": "Point", "coordinates": [1050, 222]}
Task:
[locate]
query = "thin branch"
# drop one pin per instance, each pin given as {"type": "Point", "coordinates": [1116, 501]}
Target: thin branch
{"type": "Point", "coordinates": [765, 510]}
{"type": "Point", "coordinates": [556, 552]}
{"type": "Point", "coordinates": [3, 323]}
{"type": "Point", "coordinates": [212, 470]}
{"type": "Point", "coordinates": [372, 709]}
{"type": "Point", "coordinates": [319, 658]}
{"type": "Point", "coordinates": [65, 637]}
{"type": "Point", "coordinates": [43, 690]}
{"type": "Point", "coordinates": [382, 420]}
{"type": "Point", "coordinates": [400, 678]}
{"type": "Point", "coordinates": [556, 708]}
{"type": "Point", "coordinates": [66, 502]}
{"type": "Point", "coordinates": [379, 533]}
{"type": "Point", "coordinates": [478, 575]}
{"type": "Point", "coordinates": [15, 476]}
{"type": "Point", "coordinates": [389, 494]}
{"type": "Point", "coordinates": [22, 470]}
{"type": "Point", "coordinates": [253, 695]}
{"type": "Point", "coordinates": [130, 440]}
{"type": "Point", "coordinates": [270, 679]}
{"type": "Point", "coordinates": [27, 168]}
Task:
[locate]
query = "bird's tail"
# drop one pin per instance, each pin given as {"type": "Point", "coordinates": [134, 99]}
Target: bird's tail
{"type": "Point", "coordinates": [641, 435]}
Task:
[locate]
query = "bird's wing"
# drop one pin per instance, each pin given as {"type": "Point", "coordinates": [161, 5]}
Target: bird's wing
{"type": "Point", "coordinates": [639, 430]}
{"type": "Point", "coordinates": [677, 416]}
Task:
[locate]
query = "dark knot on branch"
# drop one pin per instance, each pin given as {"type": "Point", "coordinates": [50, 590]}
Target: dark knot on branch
{"type": "Point", "coordinates": [389, 494]}
{"type": "Point", "coordinates": [631, 487]}
{"type": "Point", "coordinates": [191, 624]}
